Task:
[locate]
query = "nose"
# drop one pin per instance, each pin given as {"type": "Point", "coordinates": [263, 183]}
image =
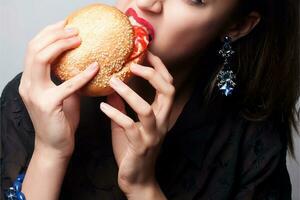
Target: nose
{"type": "Point", "coordinates": [154, 6]}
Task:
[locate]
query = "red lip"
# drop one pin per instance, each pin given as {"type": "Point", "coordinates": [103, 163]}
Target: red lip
{"type": "Point", "coordinates": [132, 12]}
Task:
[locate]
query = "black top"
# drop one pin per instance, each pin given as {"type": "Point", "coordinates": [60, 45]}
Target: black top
{"type": "Point", "coordinates": [211, 153]}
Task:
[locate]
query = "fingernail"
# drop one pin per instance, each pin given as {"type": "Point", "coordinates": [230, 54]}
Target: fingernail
{"type": "Point", "coordinates": [104, 106]}
{"type": "Point", "coordinates": [92, 67]}
{"type": "Point", "coordinates": [115, 81]}
{"type": "Point", "coordinates": [70, 30]}
{"type": "Point", "coordinates": [134, 67]}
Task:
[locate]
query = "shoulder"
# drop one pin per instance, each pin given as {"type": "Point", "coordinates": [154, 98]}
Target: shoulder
{"type": "Point", "coordinates": [15, 120]}
{"type": "Point", "coordinates": [261, 159]}
{"type": "Point", "coordinates": [13, 110]}
{"type": "Point", "coordinates": [254, 145]}
{"type": "Point", "coordinates": [257, 143]}
{"type": "Point", "coordinates": [263, 137]}
{"type": "Point", "coordinates": [262, 148]}
{"type": "Point", "coordinates": [251, 136]}
{"type": "Point", "coordinates": [17, 133]}
{"type": "Point", "coordinates": [10, 91]}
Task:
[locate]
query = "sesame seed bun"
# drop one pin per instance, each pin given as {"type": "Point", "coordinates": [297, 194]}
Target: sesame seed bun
{"type": "Point", "coordinates": [107, 37]}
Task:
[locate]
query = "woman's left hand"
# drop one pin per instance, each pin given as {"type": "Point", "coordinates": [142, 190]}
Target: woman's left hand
{"type": "Point", "coordinates": [136, 144]}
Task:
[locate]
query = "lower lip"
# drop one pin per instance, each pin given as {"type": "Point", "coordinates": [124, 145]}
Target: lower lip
{"type": "Point", "coordinates": [131, 12]}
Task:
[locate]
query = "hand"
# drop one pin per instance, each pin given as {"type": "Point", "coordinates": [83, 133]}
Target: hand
{"type": "Point", "coordinates": [54, 110]}
{"type": "Point", "coordinates": [136, 144]}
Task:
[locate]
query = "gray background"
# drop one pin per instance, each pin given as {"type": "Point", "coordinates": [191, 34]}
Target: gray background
{"type": "Point", "coordinates": [20, 20]}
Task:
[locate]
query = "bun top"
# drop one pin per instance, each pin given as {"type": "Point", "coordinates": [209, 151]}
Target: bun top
{"type": "Point", "coordinates": [107, 37]}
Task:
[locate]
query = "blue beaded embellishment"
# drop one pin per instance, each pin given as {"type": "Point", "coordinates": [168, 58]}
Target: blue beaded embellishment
{"type": "Point", "coordinates": [14, 192]}
{"type": "Point", "coordinates": [226, 76]}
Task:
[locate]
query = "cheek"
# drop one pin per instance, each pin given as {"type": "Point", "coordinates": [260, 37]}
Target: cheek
{"type": "Point", "coordinates": [122, 4]}
{"type": "Point", "coordinates": [180, 40]}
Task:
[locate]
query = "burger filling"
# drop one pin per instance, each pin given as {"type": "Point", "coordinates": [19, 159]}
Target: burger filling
{"type": "Point", "coordinates": [141, 39]}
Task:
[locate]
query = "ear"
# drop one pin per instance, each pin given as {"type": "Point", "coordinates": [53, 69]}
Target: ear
{"type": "Point", "coordinates": [244, 27]}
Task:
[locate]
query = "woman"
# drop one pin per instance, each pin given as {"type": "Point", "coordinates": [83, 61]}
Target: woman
{"type": "Point", "coordinates": [180, 129]}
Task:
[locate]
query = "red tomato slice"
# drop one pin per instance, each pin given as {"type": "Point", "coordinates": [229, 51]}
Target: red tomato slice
{"type": "Point", "coordinates": [141, 41]}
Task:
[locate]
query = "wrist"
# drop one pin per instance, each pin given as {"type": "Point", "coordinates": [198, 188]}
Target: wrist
{"type": "Point", "coordinates": [151, 191]}
{"type": "Point", "coordinates": [44, 175]}
{"type": "Point", "coordinates": [51, 157]}
{"type": "Point", "coordinates": [52, 153]}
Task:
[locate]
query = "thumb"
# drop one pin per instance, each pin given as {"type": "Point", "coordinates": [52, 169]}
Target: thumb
{"type": "Point", "coordinates": [70, 86]}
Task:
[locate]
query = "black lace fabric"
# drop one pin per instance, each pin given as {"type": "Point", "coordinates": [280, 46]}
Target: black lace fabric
{"type": "Point", "coordinates": [210, 154]}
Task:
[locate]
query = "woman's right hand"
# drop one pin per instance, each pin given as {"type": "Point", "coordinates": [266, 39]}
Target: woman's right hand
{"type": "Point", "coordinates": [54, 110]}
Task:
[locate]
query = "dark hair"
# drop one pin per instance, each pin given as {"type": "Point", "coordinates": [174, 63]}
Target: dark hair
{"type": "Point", "coordinates": [267, 61]}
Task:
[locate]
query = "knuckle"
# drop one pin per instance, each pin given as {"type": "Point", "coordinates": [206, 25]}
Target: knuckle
{"type": "Point", "coordinates": [61, 44]}
{"type": "Point", "coordinates": [143, 151]}
{"type": "Point", "coordinates": [53, 37]}
{"type": "Point", "coordinates": [29, 98]}
{"type": "Point", "coordinates": [123, 180]}
{"type": "Point", "coordinates": [44, 106]}
{"type": "Point", "coordinates": [41, 58]}
{"type": "Point", "coordinates": [32, 47]}
{"type": "Point", "coordinates": [127, 92]}
{"type": "Point", "coordinates": [150, 72]}
{"type": "Point", "coordinates": [64, 44]}
{"type": "Point", "coordinates": [156, 58]}
{"type": "Point", "coordinates": [71, 40]}
{"type": "Point", "coordinates": [152, 142]}
{"type": "Point", "coordinates": [171, 79]}
{"type": "Point", "coordinates": [130, 125]}
{"type": "Point", "coordinates": [147, 112]}
{"type": "Point", "coordinates": [22, 91]}
{"type": "Point", "coordinates": [62, 34]}
{"type": "Point", "coordinates": [171, 90]}
{"type": "Point", "coordinates": [69, 85]}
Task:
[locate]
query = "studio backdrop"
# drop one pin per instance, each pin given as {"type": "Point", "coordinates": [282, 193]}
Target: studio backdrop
{"type": "Point", "coordinates": [20, 20]}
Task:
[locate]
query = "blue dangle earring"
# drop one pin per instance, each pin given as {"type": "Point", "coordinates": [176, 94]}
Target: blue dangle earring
{"type": "Point", "coordinates": [226, 77]}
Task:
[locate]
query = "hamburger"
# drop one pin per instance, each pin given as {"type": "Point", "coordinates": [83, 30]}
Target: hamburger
{"type": "Point", "coordinates": [113, 39]}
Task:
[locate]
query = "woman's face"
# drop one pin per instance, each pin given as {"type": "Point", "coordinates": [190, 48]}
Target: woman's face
{"type": "Point", "coordinates": [182, 28]}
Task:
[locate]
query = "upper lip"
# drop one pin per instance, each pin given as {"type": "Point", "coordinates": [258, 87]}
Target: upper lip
{"type": "Point", "coordinates": [142, 21]}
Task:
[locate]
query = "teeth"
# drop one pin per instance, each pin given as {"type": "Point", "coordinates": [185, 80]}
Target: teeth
{"type": "Point", "coordinates": [135, 23]}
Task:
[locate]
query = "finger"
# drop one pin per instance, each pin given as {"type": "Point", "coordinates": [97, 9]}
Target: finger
{"type": "Point", "coordinates": [156, 62]}
{"type": "Point", "coordinates": [48, 55]}
{"type": "Point", "coordinates": [70, 86]}
{"type": "Point", "coordinates": [116, 101]}
{"type": "Point", "coordinates": [154, 78]}
{"type": "Point", "coordinates": [54, 36]}
{"type": "Point", "coordinates": [131, 130]}
{"type": "Point", "coordinates": [138, 104]}
{"type": "Point", "coordinates": [50, 28]}
{"type": "Point", "coordinates": [31, 51]}
{"type": "Point", "coordinates": [165, 91]}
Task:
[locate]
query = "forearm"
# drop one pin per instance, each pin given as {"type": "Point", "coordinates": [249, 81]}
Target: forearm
{"type": "Point", "coordinates": [151, 192]}
{"type": "Point", "coordinates": [44, 176]}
